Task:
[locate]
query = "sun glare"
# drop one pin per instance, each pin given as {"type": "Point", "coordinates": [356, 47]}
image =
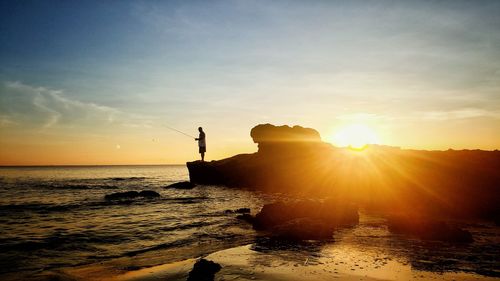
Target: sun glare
{"type": "Point", "coordinates": [355, 136]}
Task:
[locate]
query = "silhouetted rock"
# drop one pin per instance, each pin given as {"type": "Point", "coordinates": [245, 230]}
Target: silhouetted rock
{"type": "Point", "coordinates": [305, 219]}
{"type": "Point", "coordinates": [330, 212]}
{"type": "Point", "coordinates": [182, 185]}
{"type": "Point", "coordinates": [204, 270]}
{"type": "Point", "coordinates": [295, 160]}
{"type": "Point", "coordinates": [246, 217]}
{"type": "Point", "coordinates": [238, 211]}
{"type": "Point", "coordinates": [303, 229]}
{"type": "Point", "coordinates": [269, 137]}
{"type": "Point", "coordinates": [428, 229]}
{"type": "Point", "coordinates": [122, 195]}
{"type": "Point", "coordinates": [127, 195]}
{"type": "Point", "coordinates": [149, 194]}
{"type": "Point", "coordinates": [242, 210]}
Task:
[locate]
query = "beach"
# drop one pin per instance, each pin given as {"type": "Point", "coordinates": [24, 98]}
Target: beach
{"type": "Point", "coordinates": [311, 260]}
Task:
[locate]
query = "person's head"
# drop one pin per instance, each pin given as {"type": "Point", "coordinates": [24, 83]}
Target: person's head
{"type": "Point", "coordinates": [200, 129]}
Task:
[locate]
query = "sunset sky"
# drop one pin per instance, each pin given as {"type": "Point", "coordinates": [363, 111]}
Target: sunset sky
{"type": "Point", "coordinates": [97, 82]}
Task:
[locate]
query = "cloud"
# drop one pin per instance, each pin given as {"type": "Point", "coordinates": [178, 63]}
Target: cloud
{"type": "Point", "coordinates": [6, 121]}
{"type": "Point", "coordinates": [464, 113]}
{"type": "Point", "coordinates": [25, 105]}
{"type": "Point", "coordinates": [360, 117]}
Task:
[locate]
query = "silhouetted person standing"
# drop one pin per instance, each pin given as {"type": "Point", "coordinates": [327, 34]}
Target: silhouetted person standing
{"type": "Point", "coordinates": [202, 145]}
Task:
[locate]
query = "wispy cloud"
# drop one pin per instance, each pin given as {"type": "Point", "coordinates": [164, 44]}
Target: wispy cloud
{"type": "Point", "coordinates": [27, 106]}
{"type": "Point", "coordinates": [46, 108]}
{"type": "Point", "coordinates": [459, 114]}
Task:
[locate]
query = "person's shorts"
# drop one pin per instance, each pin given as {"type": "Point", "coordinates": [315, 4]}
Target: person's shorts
{"type": "Point", "coordinates": [202, 149]}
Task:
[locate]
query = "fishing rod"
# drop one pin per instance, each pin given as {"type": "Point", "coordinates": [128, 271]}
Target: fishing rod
{"type": "Point", "coordinates": [174, 129]}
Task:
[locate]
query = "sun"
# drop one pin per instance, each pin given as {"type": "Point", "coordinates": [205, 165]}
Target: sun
{"type": "Point", "coordinates": [355, 136]}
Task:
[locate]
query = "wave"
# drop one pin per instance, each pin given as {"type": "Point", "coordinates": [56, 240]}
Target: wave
{"type": "Point", "coordinates": [187, 226]}
{"type": "Point", "coordinates": [59, 241]}
{"type": "Point", "coordinates": [44, 208]}
{"type": "Point", "coordinates": [126, 178]}
{"type": "Point", "coordinates": [75, 184]}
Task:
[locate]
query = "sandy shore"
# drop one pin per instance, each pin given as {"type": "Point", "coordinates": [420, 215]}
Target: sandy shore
{"type": "Point", "coordinates": [249, 263]}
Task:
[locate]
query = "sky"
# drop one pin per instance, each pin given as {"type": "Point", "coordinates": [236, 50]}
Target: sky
{"type": "Point", "coordinates": [99, 82]}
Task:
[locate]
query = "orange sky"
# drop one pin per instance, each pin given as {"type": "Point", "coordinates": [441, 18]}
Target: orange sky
{"type": "Point", "coordinates": [99, 88]}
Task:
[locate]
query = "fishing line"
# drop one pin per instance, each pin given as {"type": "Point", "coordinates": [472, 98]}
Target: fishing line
{"type": "Point", "coordinates": [174, 129]}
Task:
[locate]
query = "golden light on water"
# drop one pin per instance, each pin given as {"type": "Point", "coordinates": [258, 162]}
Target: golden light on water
{"type": "Point", "coordinates": [355, 136]}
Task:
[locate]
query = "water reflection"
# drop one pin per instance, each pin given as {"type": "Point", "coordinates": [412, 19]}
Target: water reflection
{"type": "Point", "coordinates": [369, 249]}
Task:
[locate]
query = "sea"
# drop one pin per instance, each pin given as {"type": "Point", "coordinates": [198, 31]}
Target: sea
{"type": "Point", "coordinates": [57, 217]}
{"type": "Point", "coordinates": [53, 217]}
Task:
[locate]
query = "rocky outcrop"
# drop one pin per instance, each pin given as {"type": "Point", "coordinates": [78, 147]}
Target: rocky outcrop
{"type": "Point", "coordinates": [303, 219]}
{"type": "Point", "coordinates": [127, 195]}
{"type": "Point", "coordinates": [238, 211]}
{"type": "Point", "coordinates": [303, 229]}
{"type": "Point", "coordinates": [428, 229]}
{"type": "Point", "coordinates": [330, 212]}
{"type": "Point", "coordinates": [204, 270]}
{"type": "Point", "coordinates": [182, 185]}
{"type": "Point", "coordinates": [463, 184]}
{"type": "Point", "coordinates": [282, 152]}
{"type": "Point", "coordinates": [271, 138]}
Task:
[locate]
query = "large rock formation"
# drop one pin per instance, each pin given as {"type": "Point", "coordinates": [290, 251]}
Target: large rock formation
{"type": "Point", "coordinates": [304, 219]}
{"type": "Point", "coordinates": [281, 162]}
{"type": "Point", "coordinates": [295, 160]}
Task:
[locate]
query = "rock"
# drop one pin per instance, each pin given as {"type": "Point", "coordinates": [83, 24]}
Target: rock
{"type": "Point", "coordinates": [428, 229]}
{"type": "Point", "coordinates": [204, 270]}
{"type": "Point", "coordinates": [294, 160]}
{"type": "Point", "coordinates": [329, 212]}
{"type": "Point", "coordinates": [267, 136]}
{"type": "Point", "coordinates": [239, 211]}
{"type": "Point", "coordinates": [303, 229]}
{"type": "Point", "coordinates": [304, 219]}
{"type": "Point", "coordinates": [242, 210]}
{"type": "Point", "coordinates": [149, 194]}
{"type": "Point", "coordinates": [182, 185]}
{"type": "Point", "coordinates": [246, 217]}
{"type": "Point", "coordinates": [127, 195]}
{"type": "Point", "coordinates": [496, 220]}
{"type": "Point", "coordinates": [122, 195]}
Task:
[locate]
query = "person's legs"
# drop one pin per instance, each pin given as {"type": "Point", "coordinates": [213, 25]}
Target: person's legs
{"type": "Point", "coordinates": [203, 157]}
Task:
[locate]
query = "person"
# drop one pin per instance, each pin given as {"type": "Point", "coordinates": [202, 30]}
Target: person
{"type": "Point", "coordinates": [202, 145]}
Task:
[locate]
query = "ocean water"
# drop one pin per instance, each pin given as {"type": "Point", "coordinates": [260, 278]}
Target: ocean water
{"type": "Point", "coordinates": [55, 217]}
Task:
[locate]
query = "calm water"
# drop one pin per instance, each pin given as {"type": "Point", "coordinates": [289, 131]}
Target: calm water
{"type": "Point", "coordinates": [57, 216]}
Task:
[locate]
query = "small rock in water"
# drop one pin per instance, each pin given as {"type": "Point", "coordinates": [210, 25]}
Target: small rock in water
{"type": "Point", "coordinates": [204, 270]}
{"type": "Point", "coordinates": [246, 217]}
{"type": "Point", "coordinates": [149, 194]}
{"type": "Point", "coordinates": [131, 195]}
{"type": "Point", "coordinates": [122, 195]}
{"type": "Point", "coordinates": [182, 185]}
{"type": "Point", "coordinates": [238, 211]}
{"type": "Point", "coordinates": [242, 210]}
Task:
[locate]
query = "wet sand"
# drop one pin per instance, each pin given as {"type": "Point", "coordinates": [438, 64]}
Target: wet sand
{"type": "Point", "coordinates": [246, 263]}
